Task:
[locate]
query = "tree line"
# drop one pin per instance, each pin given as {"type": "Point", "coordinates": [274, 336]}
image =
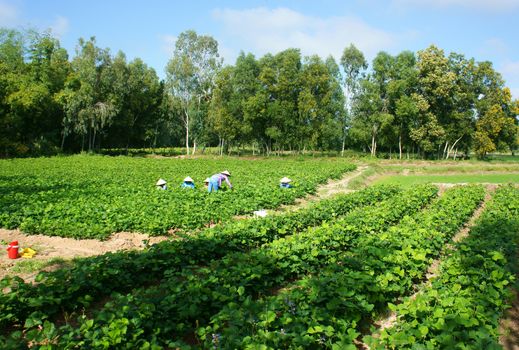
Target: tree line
{"type": "Point", "coordinates": [425, 103]}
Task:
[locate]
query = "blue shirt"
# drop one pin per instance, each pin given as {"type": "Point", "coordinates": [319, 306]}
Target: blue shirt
{"type": "Point", "coordinates": [187, 185]}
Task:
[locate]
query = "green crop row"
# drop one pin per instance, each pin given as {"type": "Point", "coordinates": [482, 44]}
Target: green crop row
{"type": "Point", "coordinates": [331, 308]}
{"type": "Point", "coordinates": [94, 196]}
{"type": "Point", "coordinates": [462, 307]}
{"type": "Point", "coordinates": [92, 278]}
{"type": "Point", "coordinates": [171, 310]}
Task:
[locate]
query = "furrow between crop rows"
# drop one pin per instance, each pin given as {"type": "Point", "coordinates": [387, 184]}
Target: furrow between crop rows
{"type": "Point", "coordinates": [172, 310]}
{"type": "Point", "coordinates": [462, 307]}
{"type": "Point", "coordinates": [93, 278]}
{"type": "Point", "coordinates": [331, 309]}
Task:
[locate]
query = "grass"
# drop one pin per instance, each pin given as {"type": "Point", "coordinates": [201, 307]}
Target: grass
{"type": "Point", "coordinates": [33, 265]}
{"type": "Point", "coordinates": [448, 178]}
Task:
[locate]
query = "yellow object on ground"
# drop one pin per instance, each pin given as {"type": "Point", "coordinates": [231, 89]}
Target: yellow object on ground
{"type": "Point", "coordinates": [27, 253]}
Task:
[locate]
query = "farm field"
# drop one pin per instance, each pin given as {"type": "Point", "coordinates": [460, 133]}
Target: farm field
{"type": "Point", "coordinates": [323, 276]}
{"type": "Point", "coordinates": [94, 196]}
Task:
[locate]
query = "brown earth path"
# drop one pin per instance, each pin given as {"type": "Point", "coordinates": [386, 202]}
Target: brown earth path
{"type": "Point", "coordinates": [48, 247]}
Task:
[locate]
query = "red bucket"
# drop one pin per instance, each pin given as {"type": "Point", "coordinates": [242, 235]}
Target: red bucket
{"type": "Point", "coordinates": [12, 250]}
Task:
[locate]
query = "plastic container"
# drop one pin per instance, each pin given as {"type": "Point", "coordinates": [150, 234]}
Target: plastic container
{"type": "Point", "coordinates": [12, 250]}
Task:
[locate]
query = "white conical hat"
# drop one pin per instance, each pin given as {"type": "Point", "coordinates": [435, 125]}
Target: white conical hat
{"type": "Point", "coordinates": [161, 182]}
{"type": "Point", "coordinates": [285, 180]}
{"type": "Point", "coordinates": [188, 179]}
{"type": "Point", "coordinates": [206, 180]}
{"type": "Point", "coordinates": [226, 172]}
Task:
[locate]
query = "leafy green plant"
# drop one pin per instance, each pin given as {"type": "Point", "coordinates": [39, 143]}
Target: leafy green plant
{"type": "Point", "coordinates": [462, 307]}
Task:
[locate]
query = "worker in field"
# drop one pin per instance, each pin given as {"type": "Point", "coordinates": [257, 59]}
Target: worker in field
{"type": "Point", "coordinates": [285, 183]}
{"type": "Point", "coordinates": [206, 182]}
{"type": "Point", "coordinates": [188, 183]}
{"type": "Point", "coordinates": [215, 181]}
{"type": "Point", "coordinates": [161, 184]}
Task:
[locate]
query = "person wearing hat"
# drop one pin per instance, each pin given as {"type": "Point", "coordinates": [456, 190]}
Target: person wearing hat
{"type": "Point", "coordinates": [215, 181]}
{"type": "Point", "coordinates": [285, 183]}
{"type": "Point", "coordinates": [188, 183]}
{"type": "Point", "coordinates": [206, 182]}
{"type": "Point", "coordinates": [161, 184]}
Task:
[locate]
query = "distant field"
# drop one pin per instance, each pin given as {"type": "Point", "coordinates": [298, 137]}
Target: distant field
{"type": "Point", "coordinates": [93, 196]}
{"type": "Point", "coordinates": [449, 178]}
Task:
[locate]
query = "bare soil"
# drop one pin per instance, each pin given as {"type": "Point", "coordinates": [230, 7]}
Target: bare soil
{"type": "Point", "coordinates": [509, 326]}
{"type": "Point", "coordinates": [48, 247]}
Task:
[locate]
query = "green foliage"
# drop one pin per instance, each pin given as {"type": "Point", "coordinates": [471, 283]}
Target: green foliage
{"type": "Point", "coordinates": [330, 308]}
{"type": "Point", "coordinates": [93, 196]}
{"type": "Point", "coordinates": [188, 297]}
{"type": "Point", "coordinates": [462, 307]}
{"type": "Point", "coordinates": [87, 279]}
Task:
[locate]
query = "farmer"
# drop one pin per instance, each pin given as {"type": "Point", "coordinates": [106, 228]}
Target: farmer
{"type": "Point", "coordinates": [285, 183]}
{"type": "Point", "coordinates": [188, 183]}
{"type": "Point", "coordinates": [215, 181]}
{"type": "Point", "coordinates": [161, 184]}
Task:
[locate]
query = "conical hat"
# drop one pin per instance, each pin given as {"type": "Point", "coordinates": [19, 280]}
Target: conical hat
{"type": "Point", "coordinates": [161, 182]}
{"type": "Point", "coordinates": [285, 180]}
{"type": "Point", "coordinates": [206, 180]}
{"type": "Point", "coordinates": [226, 172]}
{"type": "Point", "coordinates": [188, 179]}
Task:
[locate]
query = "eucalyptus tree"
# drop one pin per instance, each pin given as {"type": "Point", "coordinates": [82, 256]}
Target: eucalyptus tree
{"type": "Point", "coordinates": [88, 99]}
{"type": "Point", "coordinates": [400, 90]}
{"type": "Point", "coordinates": [138, 96]}
{"type": "Point", "coordinates": [190, 77]}
{"type": "Point", "coordinates": [354, 65]}
{"type": "Point", "coordinates": [317, 101]}
{"type": "Point", "coordinates": [332, 134]}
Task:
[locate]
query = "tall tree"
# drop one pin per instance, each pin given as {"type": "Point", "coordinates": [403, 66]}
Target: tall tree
{"type": "Point", "coordinates": [88, 99]}
{"type": "Point", "coordinates": [190, 75]}
{"type": "Point", "coordinates": [354, 64]}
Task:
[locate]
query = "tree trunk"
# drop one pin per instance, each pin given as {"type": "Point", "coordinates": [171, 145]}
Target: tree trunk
{"type": "Point", "coordinates": [400, 146]}
{"type": "Point", "coordinates": [373, 145]}
{"type": "Point", "coordinates": [93, 140]}
{"type": "Point", "coordinates": [186, 125]}
{"type": "Point", "coordinates": [445, 149]}
{"type": "Point", "coordinates": [63, 141]}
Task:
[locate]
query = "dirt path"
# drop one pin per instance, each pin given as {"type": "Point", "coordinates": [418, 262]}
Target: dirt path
{"type": "Point", "coordinates": [48, 248]}
{"type": "Point", "coordinates": [432, 272]}
{"type": "Point", "coordinates": [509, 324]}
{"type": "Point", "coordinates": [332, 187]}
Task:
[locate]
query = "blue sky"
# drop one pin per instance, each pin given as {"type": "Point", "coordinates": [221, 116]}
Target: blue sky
{"type": "Point", "coordinates": [483, 29]}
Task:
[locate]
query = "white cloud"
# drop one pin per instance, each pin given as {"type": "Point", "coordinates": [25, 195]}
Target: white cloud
{"type": "Point", "coordinates": [262, 30]}
{"type": "Point", "coordinates": [168, 44]}
{"type": "Point", "coordinates": [479, 5]}
{"type": "Point", "coordinates": [8, 15]}
{"type": "Point", "coordinates": [60, 26]}
{"type": "Point", "coordinates": [510, 71]}
{"type": "Point", "coordinates": [511, 68]}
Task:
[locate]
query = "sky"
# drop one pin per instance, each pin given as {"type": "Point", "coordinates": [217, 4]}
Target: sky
{"type": "Point", "coordinates": [487, 30]}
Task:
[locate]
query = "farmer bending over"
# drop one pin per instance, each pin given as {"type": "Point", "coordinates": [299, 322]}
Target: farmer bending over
{"type": "Point", "coordinates": [188, 183]}
{"type": "Point", "coordinates": [285, 183]}
{"type": "Point", "coordinates": [161, 184]}
{"type": "Point", "coordinates": [215, 181]}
